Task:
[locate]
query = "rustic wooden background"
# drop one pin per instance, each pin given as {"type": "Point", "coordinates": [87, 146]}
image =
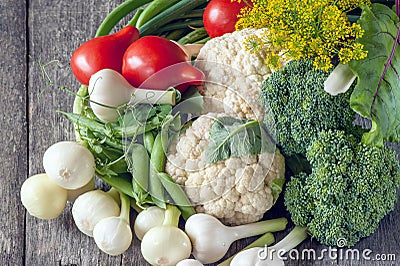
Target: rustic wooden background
{"type": "Point", "coordinates": [39, 31]}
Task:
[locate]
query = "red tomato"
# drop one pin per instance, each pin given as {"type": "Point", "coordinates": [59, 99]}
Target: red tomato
{"type": "Point", "coordinates": [154, 62]}
{"type": "Point", "coordinates": [102, 52]}
{"type": "Point", "coordinates": [220, 16]}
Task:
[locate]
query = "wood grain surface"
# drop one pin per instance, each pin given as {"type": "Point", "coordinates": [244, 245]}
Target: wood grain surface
{"type": "Point", "coordinates": [37, 32]}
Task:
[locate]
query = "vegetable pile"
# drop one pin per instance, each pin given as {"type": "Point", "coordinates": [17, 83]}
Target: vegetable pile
{"type": "Point", "coordinates": [266, 108]}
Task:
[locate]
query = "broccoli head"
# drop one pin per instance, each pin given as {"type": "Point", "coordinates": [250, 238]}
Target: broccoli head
{"type": "Point", "coordinates": [352, 186]}
{"type": "Point", "coordinates": [301, 108]}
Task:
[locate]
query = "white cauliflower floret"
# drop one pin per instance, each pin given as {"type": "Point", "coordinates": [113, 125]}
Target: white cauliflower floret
{"type": "Point", "coordinates": [234, 75]}
{"type": "Point", "coordinates": [236, 190]}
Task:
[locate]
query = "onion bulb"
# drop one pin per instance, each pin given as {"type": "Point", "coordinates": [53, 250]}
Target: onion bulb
{"type": "Point", "coordinates": [113, 235]}
{"type": "Point", "coordinates": [69, 164]}
{"type": "Point", "coordinates": [147, 219]}
{"type": "Point", "coordinates": [91, 207]}
{"type": "Point", "coordinates": [43, 198]}
{"type": "Point", "coordinates": [166, 244]}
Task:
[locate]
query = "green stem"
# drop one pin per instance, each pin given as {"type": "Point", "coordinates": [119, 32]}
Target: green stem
{"type": "Point", "coordinates": [203, 41]}
{"type": "Point", "coordinates": [258, 228]}
{"type": "Point", "coordinates": [265, 240]}
{"type": "Point", "coordinates": [135, 18]}
{"type": "Point", "coordinates": [135, 206]}
{"type": "Point", "coordinates": [78, 107]}
{"type": "Point", "coordinates": [169, 15]}
{"type": "Point", "coordinates": [292, 240]}
{"type": "Point", "coordinates": [117, 14]}
{"type": "Point", "coordinates": [125, 207]}
{"type": "Point", "coordinates": [193, 36]}
{"type": "Point", "coordinates": [121, 183]}
{"type": "Point", "coordinates": [115, 194]}
{"type": "Point", "coordinates": [172, 215]}
{"type": "Point", "coordinates": [181, 25]}
{"type": "Point", "coordinates": [197, 13]}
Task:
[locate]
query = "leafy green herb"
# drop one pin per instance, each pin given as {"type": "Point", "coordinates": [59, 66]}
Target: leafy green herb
{"type": "Point", "coordinates": [231, 137]}
{"type": "Point", "coordinates": [377, 94]}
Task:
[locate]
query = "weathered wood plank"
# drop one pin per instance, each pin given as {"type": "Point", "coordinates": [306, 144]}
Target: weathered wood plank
{"type": "Point", "coordinates": [13, 134]}
{"type": "Point", "coordinates": [55, 30]}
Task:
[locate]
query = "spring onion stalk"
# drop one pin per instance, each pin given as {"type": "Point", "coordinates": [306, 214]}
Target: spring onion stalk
{"type": "Point", "coordinates": [113, 235]}
{"type": "Point", "coordinates": [211, 239]}
{"type": "Point", "coordinates": [93, 206]}
{"type": "Point", "coordinates": [166, 244]}
{"type": "Point", "coordinates": [154, 8]}
{"type": "Point", "coordinates": [271, 255]}
{"type": "Point", "coordinates": [117, 14]}
{"type": "Point", "coordinates": [193, 36]}
{"type": "Point", "coordinates": [135, 17]}
{"type": "Point", "coordinates": [340, 80]}
{"type": "Point", "coordinates": [169, 15]}
{"type": "Point", "coordinates": [265, 240]}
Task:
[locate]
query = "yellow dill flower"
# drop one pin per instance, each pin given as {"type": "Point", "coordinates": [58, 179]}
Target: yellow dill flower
{"type": "Point", "coordinates": [303, 29]}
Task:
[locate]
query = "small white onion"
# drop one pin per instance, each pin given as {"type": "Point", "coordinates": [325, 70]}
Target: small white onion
{"type": "Point", "coordinates": [42, 197]}
{"type": "Point", "coordinates": [69, 164]}
{"type": "Point", "coordinates": [189, 262]}
{"type": "Point", "coordinates": [113, 235]}
{"type": "Point", "coordinates": [147, 219]}
{"type": "Point", "coordinates": [91, 207]}
{"type": "Point", "coordinates": [165, 245]}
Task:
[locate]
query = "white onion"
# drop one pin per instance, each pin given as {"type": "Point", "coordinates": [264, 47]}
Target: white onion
{"type": "Point", "coordinates": [147, 219]}
{"type": "Point", "coordinates": [42, 197]}
{"type": "Point", "coordinates": [69, 164]}
{"type": "Point", "coordinates": [91, 207]}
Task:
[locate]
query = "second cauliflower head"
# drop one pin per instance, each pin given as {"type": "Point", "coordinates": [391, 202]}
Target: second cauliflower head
{"type": "Point", "coordinates": [236, 190]}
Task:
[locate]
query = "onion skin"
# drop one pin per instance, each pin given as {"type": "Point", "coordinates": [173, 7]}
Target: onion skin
{"type": "Point", "coordinates": [69, 164]}
{"type": "Point", "coordinates": [91, 207]}
{"type": "Point", "coordinates": [43, 198]}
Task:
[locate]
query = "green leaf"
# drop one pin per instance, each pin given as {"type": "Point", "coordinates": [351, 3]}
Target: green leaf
{"type": "Point", "coordinates": [276, 187]}
{"type": "Point", "coordinates": [231, 137]}
{"type": "Point", "coordinates": [377, 94]}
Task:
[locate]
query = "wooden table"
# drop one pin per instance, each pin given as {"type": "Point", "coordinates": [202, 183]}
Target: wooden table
{"type": "Point", "coordinates": [37, 32]}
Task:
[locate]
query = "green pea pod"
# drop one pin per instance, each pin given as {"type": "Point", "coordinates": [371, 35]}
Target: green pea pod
{"type": "Point", "coordinates": [148, 140]}
{"type": "Point", "coordinates": [154, 8]}
{"type": "Point", "coordinates": [157, 159]}
{"type": "Point", "coordinates": [178, 195]}
{"type": "Point", "coordinates": [139, 165]}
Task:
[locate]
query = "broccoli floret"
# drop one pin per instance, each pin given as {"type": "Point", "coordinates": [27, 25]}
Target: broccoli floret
{"type": "Point", "coordinates": [295, 97]}
{"type": "Point", "coordinates": [352, 186]}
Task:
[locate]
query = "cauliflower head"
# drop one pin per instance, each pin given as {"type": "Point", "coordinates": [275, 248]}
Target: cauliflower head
{"type": "Point", "coordinates": [234, 75]}
{"type": "Point", "coordinates": [236, 190]}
